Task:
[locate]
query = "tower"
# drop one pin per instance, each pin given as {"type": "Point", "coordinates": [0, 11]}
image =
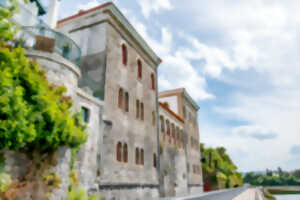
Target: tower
{"type": "Point", "coordinates": [52, 13]}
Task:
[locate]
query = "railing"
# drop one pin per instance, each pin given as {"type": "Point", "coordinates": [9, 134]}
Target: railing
{"type": "Point", "coordinates": [45, 39]}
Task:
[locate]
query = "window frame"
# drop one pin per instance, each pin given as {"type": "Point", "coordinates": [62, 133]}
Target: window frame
{"type": "Point", "coordinates": [124, 54]}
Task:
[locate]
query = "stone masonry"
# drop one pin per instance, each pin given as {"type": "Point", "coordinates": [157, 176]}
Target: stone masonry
{"type": "Point", "coordinates": [142, 144]}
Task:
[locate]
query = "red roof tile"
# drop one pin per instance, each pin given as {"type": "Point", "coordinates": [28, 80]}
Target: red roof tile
{"type": "Point", "coordinates": [171, 112]}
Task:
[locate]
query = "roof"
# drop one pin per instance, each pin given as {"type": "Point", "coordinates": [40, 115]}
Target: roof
{"type": "Point", "coordinates": [171, 112]}
{"type": "Point", "coordinates": [111, 9]}
{"type": "Point", "coordinates": [41, 8]}
{"type": "Point", "coordinates": [179, 91]}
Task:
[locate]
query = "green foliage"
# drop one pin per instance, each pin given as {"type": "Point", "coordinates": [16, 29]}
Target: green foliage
{"type": "Point", "coordinates": [218, 169]}
{"type": "Point", "coordinates": [296, 173]}
{"type": "Point", "coordinates": [34, 114]}
{"type": "Point", "coordinates": [78, 193]}
{"type": "Point", "coordinates": [268, 195]}
{"type": "Point", "coordinates": [5, 182]}
{"type": "Point", "coordinates": [268, 179]}
{"type": "Point", "coordinates": [7, 28]}
{"type": "Point", "coordinates": [52, 180]}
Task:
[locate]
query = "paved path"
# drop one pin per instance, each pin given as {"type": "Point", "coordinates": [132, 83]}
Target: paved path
{"type": "Point", "coordinates": [228, 194]}
{"type": "Point", "coordinates": [220, 195]}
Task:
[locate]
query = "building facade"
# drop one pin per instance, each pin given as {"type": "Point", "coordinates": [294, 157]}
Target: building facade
{"type": "Point", "coordinates": [143, 144]}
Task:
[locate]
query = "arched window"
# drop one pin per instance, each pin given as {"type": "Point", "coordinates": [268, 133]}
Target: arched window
{"type": "Point", "coordinates": [177, 136]}
{"type": "Point", "coordinates": [126, 102]}
{"type": "Point", "coordinates": [142, 157]}
{"type": "Point", "coordinates": [168, 127]}
{"type": "Point", "coordinates": [153, 118]}
{"type": "Point", "coordinates": [119, 152]}
{"type": "Point", "coordinates": [142, 111]}
{"type": "Point", "coordinates": [120, 98]}
{"type": "Point", "coordinates": [152, 82]}
{"type": "Point", "coordinates": [124, 54]}
{"type": "Point", "coordinates": [137, 109]}
{"type": "Point", "coordinates": [137, 156]}
{"type": "Point", "coordinates": [162, 124]}
{"type": "Point", "coordinates": [139, 71]}
{"type": "Point", "coordinates": [125, 153]}
{"type": "Point", "coordinates": [173, 133]}
{"type": "Point", "coordinates": [182, 138]}
{"type": "Point", "coordinates": [154, 160]}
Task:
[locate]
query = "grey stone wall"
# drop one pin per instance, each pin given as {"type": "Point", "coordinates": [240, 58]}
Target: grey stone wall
{"type": "Point", "coordinates": [125, 127]}
{"type": "Point", "coordinates": [62, 72]}
{"type": "Point", "coordinates": [173, 162]}
{"type": "Point", "coordinates": [191, 130]}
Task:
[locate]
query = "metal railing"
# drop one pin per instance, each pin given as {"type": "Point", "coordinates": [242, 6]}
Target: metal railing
{"type": "Point", "coordinates": [63, 45]}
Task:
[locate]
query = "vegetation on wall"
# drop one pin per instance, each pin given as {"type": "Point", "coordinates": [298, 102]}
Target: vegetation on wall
{"type": "Point", "coordinates": [35, 116]}
{"type": "Point", "coordinates": [218, 169]}
{"type": "Point", "coordinates": [273, 178]}
{"type": "Point", "coordinates": [78, 193]}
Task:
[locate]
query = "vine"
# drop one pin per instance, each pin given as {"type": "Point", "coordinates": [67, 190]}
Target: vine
{"type": "Point", "coordinates": [35, 117]}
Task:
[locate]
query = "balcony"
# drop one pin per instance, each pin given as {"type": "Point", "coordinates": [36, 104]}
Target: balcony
{"type": "Point", "coordinates": [42, 38]}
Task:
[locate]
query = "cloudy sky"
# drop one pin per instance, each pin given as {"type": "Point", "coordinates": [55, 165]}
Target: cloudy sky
{"type": "Point", "coordinates": [240, 60]}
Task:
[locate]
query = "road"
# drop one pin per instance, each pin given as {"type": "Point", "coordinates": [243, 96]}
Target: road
{"type": "Point", "coordinates": [220, 195]}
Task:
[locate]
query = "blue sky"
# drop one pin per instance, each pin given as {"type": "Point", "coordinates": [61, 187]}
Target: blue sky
{"type": "Point", "coordinates": [238, 59]}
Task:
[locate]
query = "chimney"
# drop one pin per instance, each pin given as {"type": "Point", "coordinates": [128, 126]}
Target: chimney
{"type": "Point", "coordinates": [52, 13]}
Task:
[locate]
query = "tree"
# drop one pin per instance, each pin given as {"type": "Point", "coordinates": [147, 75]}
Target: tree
{"type": "Point", "coordinates": [218, 169]}
{"type": "Point", "coordinates": [35, 115]}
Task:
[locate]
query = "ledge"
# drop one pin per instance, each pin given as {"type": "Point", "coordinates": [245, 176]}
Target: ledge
{"type": "Point", "coordinates": [53, 57]}
{"type": "Point", "coordinates": [126, 186]}
{"type": "Point", "coordinates": [89, 97]}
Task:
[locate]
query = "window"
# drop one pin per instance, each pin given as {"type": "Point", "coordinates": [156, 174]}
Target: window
{"type": "Point", "coordinates": [124, 54]}
{"type": "Point", "coordinates": [173, 133]}
{"type": "Point", "coordinates": [137, 109]}
{"type": "Point", "coordinates": [162, 124]}
{"type": "Point", "coordinates": [152, 82]}
{"type": "Point", "coordinates": [119, 152]}
{"type": "Point", "coordinates": [126, 102]}
{"type": "Point", "coordinates": [142, 111]}
{"type": "Point", "coordinates": [154, 160]}
{"type": "Point", "coordinates": [120, 98]}
{"type": "Point", "coordinates": [153, 118]}
{"type": "Point", "coordinates": [182, 138]}
{"type": "Point", "coordinates": [168, 127]}
{"type": "Point", "coordinates": [142, 157]}
{"type": "Point", "coordinates": [139, 71]}
{"type": "Point", "coordinates": [125, 153]}
{"type": "Point", "coordinates": [85, 114]}
{"type": "Point", "coordinates": [177, 136]}
{"type": "Point", "coordinates": [184, 112]}
{"type": "Point", "coordinates": [137, 156]}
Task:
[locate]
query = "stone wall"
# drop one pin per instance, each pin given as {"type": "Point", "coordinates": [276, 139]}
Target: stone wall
{"type": "Point", "coordinates": [172, 160]}
{"type": "Point", "coordinates": [126, 128]}
{"type": "Point", "coordinates": [191, 129]}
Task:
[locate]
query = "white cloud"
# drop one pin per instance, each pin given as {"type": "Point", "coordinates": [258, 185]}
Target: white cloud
{"type": "Point", "coordinates": [254, 132]}
{"type": "Point", "coordinates": [176, 70]}
{"type": "Point", "coordinates": [156, 6]}
{"type": "Point", "coordinates": [88, 5]}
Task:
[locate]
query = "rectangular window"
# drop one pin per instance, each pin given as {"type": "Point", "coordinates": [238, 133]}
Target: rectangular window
{"type": "Point", "coordinates": [85, 114]}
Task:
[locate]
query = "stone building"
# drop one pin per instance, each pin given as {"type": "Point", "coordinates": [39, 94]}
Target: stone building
{"type": "Point", "coordinates": [182, 107]}
{"type": "Point", "coordinates": [143, 144]}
